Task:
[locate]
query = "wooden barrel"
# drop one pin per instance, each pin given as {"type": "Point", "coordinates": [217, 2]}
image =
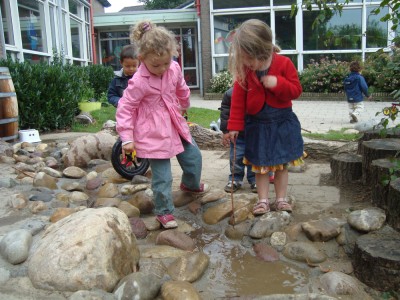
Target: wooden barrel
{"type": "Point", "coordinates": [8, 107]}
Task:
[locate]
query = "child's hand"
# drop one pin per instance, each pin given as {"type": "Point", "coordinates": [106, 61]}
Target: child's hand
{"type": "Point", "coordinates": [128, 148]}
{"type": "Point", "coordinates": [233, 135]}
{"type": "Point", "coordinates": [269, 81]}
{"type": "Point", "coordinates": [225, 139]}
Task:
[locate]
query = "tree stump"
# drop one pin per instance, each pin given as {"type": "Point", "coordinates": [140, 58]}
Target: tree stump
{"type": "Point", "coordinates": [376, 134]}
{"type": "Point", "coordinates": [393, 205]}
{"type": "Point", "coordinates": [375, 149]}
{"type": "Point", "coordinates": [381, 170]}
{"type": "Point", "coordinates": [205, 138]}
{"type": "Point", "coordinates": [376, 259]}
{"type": "Point", "coordinates": [346, 167]}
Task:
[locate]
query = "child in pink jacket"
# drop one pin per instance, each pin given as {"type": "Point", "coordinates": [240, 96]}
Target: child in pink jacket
{"type": "Point", "coordinates": [149, 118]}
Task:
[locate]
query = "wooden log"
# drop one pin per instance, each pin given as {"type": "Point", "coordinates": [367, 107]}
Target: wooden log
{"type": "Point", "coordinates": [376, 259]}
{"type": "Point", "coordinates": [346, 167]}
{"type": "Point", "coordinates": [393, 205]}
{"type": "Point", "coordinates": [381, 171]}
{"type": "Point", "coordinates": [375, 149]}
{"type": "Point", "coordinates": [206, 139]}
{"type": "Point", "coordinates": [377, 134]}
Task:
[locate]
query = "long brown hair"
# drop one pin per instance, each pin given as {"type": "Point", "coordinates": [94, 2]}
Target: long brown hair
{"type": "Point", "coordinates": [253, 37]}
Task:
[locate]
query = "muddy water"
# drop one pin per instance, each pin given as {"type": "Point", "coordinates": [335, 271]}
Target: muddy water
{"type": "Point", "coordinates": [234, 270]}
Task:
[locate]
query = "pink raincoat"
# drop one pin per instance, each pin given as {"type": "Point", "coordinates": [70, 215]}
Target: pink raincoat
{"type": "Point", "coordinates": [149, 113]}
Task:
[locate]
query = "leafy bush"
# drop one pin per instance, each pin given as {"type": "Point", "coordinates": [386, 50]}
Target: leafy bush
{"type": "Point", "coordinates": [221, 82]}
{"type": "Point", "coordinates": [382, 70]}
{"type": "Point", "coordinates": [99, 78]}
{"type": "Point", "coordinates": [47, 95]}
{"type": "Point", "coordinates": [325, 76]}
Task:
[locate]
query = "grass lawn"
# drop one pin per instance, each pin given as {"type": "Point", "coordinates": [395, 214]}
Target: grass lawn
{"type": "Point", "coordinates": [201, 116]}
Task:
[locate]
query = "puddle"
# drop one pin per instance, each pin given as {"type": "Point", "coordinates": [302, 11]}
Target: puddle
{"type": "Point", "coordinates": [234, 271]}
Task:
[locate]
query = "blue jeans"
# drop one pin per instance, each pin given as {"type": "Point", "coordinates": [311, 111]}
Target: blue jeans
{"type": "Point", "coordinates": [239, 165]}
{"type": "Point", "coordinates": [190, 161]}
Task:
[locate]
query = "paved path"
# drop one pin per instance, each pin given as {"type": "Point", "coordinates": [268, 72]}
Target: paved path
{"type": "Point", "coordinates": [317, 116]}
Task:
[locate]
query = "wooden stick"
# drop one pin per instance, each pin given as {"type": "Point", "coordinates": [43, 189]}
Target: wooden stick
{"type": "Point", "coordinates": [23, 172]}
{"type": "Point", "coordinates": [306, 130]}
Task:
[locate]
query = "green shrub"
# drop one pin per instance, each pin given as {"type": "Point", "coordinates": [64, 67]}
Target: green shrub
{"type": "Point", "coordinates": [47, 95]}
{"type": "Point", "coordinates": [382, 70]}
{"type": "Point", "coordinates": [99, 78]}
{"type": "Point", "coordinates": [325, 76]}
{"type": "Point", "coordinates": [221, 82]}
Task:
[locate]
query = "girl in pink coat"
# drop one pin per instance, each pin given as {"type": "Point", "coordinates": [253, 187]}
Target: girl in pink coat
{"type": "Point", "coordinates": [149, 118]}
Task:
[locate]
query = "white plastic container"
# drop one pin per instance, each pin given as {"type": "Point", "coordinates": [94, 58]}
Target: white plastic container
{"type": "Point", "coordinates": [29, 135]}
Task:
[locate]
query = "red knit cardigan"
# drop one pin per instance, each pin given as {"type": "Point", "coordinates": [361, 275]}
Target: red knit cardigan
{"type": "Point", "coordinates": [250, 99]}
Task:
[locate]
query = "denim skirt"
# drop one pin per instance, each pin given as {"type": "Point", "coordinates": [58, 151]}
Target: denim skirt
{"type": "Point", "coordinates": [273, 137]}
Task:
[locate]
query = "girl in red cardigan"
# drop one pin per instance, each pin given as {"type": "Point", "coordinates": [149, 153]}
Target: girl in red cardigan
{"type": "Point", "coordinates": [265, 85]}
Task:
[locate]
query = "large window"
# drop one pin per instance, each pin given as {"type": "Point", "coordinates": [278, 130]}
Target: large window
{"type": "Point", "coordinates": [6, 20]}
{"type": "Point", "coordinates": [339, 32]}
{"type": "Point", "coordinates": [76, 38]}
{"type": "Point", "coordinates": [224, 29]}
{"type": "Point", "coordinates": [31, 15]}
{"type": "Point", "coordinates": [223, 4]}
{"type": "Point", "coordinates": [377, 31]}
{"type": "Point", "coordinates": [111, 44]}
{"type": "Point", "coordinates": [285, 30]}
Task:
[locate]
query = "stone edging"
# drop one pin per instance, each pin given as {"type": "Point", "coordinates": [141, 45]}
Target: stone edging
{"type": "Point", "coordinates": [384, 97]}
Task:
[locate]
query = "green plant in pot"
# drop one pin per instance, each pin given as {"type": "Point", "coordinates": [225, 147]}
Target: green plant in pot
{"type": "Point", "coordinates": [89, 103]}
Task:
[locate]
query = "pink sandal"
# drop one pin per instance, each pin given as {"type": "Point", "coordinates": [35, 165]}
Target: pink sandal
{"type": "Point", "coordinates": [261, 207]}
{"type": "Point", "coordinates": [282, 205]}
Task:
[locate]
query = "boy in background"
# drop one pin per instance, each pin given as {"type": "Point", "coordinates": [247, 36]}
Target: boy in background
{"type": "Point", "coordinates": [240, 146]}
{"type": "Point", "coordinates": [130, 64]}
{"type": "Point", "coordinates": [356, 88]}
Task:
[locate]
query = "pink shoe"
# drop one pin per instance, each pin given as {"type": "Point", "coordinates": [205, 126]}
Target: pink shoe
{"type": "Point", "coordinates": [167, 221]}
{"type": "Point", "coordinates": [204, 188]}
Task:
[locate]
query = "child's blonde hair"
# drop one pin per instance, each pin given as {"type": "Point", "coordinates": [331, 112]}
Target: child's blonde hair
{"type": "Point", "coordinates": [254, 38]}
{"type": "Point", "coordinates": [154, 39]}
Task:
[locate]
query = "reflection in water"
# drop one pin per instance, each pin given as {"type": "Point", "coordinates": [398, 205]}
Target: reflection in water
{"type": "Point", "coordinates": [235, 271]}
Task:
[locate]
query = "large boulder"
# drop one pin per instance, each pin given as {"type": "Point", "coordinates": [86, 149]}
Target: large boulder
{"type": "Point", "coordinates": [88, 147]}
{"type": "Point", "coordinates": [92, 248]}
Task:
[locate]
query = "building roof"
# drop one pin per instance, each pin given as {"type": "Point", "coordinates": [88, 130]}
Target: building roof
{"type": "Point", "coordinates": [105, 3]}
{"type": "Point", "coordinates": [132, 8]}
{"type": "Point", "coordinates": [186, 4]}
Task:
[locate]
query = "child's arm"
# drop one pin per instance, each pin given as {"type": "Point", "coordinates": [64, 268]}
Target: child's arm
{"type": "Point", "coordinates": [238, 108]}
{"type": "Point", "coordinates": [286, 84]}
{"type": "Point", "coordinates": [112, 94]}
{"type": "Point", "coordinates": [126, 111]}
{"type": "Point", "coordinates": [364, 87]}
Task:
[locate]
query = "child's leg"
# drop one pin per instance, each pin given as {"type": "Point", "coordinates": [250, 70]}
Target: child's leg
{"type": "Point", "coordinates": [281, 183]}
{"type": "Point", "coordinates": [262, 205]}
{"type": "Point", "coordinates": [161, 184]}
{"type": "Point", "coordinates": [239, 165]}
{"type": "Point", "coordinates": [262, 186]}
{"type": "Point", "coordinates": [351, 109]}
{"type": "Point", "coordinates": [358, 108]}
{"type": "Point", "coordinates": [251, 176]}
{"type": "Point", "coordinates": [190, 161]}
